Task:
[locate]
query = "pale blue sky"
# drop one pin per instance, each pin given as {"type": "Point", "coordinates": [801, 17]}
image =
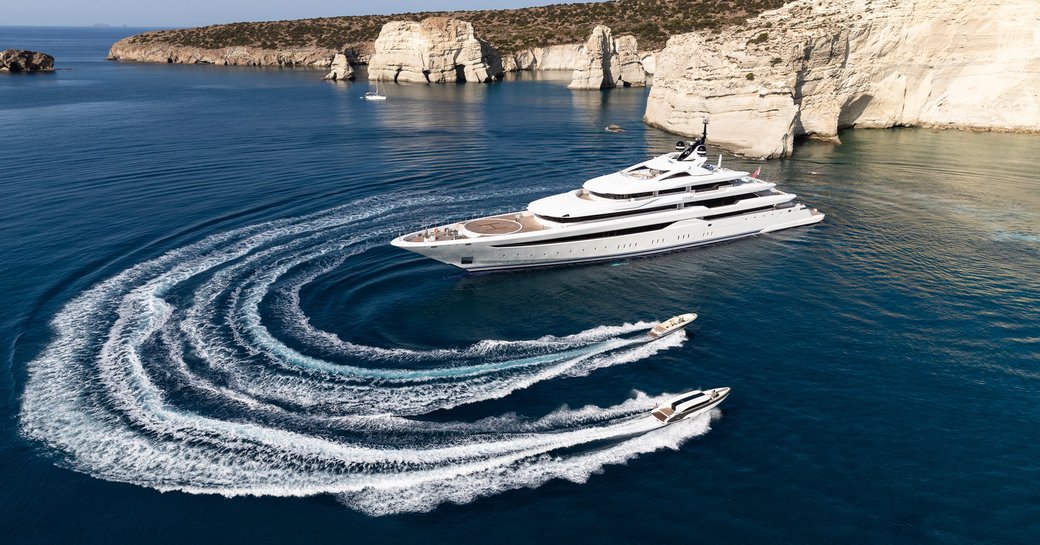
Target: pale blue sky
{"type": "Point", "coordinates": [207, 12]}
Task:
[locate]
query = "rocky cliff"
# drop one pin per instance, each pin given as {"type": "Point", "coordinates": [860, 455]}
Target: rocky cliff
{"type": "Point", "coordinates": [20, 60]}
{"type": "Point", "coordinates": [129, 49]}
{"type": "Point", "coordinates": [813, 67]}
{"type": "Point", "coordinates": [151, 47]}
{"type": "Point", "coordinates": [604, 62]}
{"type": "Point", "coordinates": [551, 57]}
{"type": "Point", "coordinates": [434, 50]}
{"type": "Point", "coordinates": [341, 69]}
{"type": "Point", "coordinates": [599, 63]}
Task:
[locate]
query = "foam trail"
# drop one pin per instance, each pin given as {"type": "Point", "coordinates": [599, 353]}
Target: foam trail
{"type": "Point", "coordinates": [527, 472]}
{"type": "Point", "coordinates": [167, 375]}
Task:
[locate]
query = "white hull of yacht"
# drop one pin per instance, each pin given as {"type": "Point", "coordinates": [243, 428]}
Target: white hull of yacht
{"type": "Point", "coordinates": [538, 249]}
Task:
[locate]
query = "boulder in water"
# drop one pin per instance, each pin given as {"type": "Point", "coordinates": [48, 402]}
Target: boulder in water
{"type": "Point", "coordinates": [341, 69]}
{"type": "Point", "coordinates": [20, 60]}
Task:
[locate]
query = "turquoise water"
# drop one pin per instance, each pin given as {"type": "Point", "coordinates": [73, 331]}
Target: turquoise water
{"type": "Point", "coordinates": [199, 298]}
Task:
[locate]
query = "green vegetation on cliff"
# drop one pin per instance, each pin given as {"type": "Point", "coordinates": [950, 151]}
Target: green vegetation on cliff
{"type": "Point", "coordinates": [650, 21]}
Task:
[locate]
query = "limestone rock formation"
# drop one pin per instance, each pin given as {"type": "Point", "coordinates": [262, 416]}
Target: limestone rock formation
{"type": "Point", "coordinates": [606, 62]}
{"type": "Point", "coordinates": [341, 69]}
{"type": "Point", "coordinates": [551, 57]}
{"type": "Point", "coordinates": [649, 61]}
{"type": "Point", "coordinates": [601, 64]}
{"type": "Point", "coordinates": [557, 57]}
{"type": "Point", "coordinates": [129, 49]}
{"type": "Point", "coordinates": [20, 60]}
{"type": "Point", "coordinates": [813, 67]}
{"type": "Point", "coordinates": [435, 50]}
{"type": "Point", "coordinates": [630, 66]}
{"type": "Point", "coordinates": [509, 63]}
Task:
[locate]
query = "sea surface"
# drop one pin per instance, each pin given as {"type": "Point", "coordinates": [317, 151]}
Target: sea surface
{"type": "Point", "coordinates": [207, 338]}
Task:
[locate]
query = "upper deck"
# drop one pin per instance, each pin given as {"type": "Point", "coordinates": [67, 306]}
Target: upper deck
{"type": "Point", "coordinates": [503, 224]}
{"type": "Point", "coordinates": [662, 173]}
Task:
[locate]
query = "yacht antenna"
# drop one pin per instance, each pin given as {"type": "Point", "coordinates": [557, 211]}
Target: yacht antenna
{"type": "Point", "coordinates": [704, 137]}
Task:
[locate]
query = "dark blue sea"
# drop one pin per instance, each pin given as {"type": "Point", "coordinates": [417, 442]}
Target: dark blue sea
{"type": "Point", "coordinates": [207, 338]}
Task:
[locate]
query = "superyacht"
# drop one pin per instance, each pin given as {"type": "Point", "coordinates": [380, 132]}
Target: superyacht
{"type": "Point", "coordinates": [670, 202]}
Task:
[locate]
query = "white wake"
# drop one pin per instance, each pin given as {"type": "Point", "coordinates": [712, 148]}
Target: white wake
{"type": "Point", "coordinates": [167, 376]}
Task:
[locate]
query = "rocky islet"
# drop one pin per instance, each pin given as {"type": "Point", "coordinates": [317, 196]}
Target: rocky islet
{"type": "Point", "coordinates": [21, 60]}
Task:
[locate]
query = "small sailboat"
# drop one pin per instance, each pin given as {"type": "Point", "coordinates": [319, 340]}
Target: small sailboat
{"type": "Point", "coordinates": [374, 95]}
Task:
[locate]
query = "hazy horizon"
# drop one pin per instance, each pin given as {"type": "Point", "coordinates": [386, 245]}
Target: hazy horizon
{"type": "Point", "coordinates": [191, 13]}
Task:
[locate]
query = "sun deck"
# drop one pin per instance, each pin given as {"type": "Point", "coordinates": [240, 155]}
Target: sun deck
{"type": "Point", "coordinates": [662, 413]}
{"type": "Point", "coordinates": [505, 224]}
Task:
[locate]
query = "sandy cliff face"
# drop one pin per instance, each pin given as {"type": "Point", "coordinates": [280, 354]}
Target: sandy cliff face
{"type": "Point", "coordinates": [129, 50]}
{"type": "Point", "coordinates": [435, 50]}
{"type": "Point", "coordinates": [815, 66]}
{"type": "Point", "coordinates": [552, 57]}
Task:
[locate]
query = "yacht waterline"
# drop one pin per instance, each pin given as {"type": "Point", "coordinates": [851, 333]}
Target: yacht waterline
{"type": "Point", "coordinates": [670, 202]}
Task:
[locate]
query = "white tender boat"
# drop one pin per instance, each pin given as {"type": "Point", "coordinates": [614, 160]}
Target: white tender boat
{"type": "Point", "coordinates": [666, 203]}
{"type": "Point", "coordinates": [671, 325]}
{"type": "Point", "coordinates": [689, 404]}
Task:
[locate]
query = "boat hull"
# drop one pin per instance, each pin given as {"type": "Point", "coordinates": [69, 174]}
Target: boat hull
{"type": "Point", "coordinates": [505, 253]}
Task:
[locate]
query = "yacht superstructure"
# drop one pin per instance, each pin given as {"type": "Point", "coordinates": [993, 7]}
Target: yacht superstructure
{"type": "Point", "coordinates": [690, 403]}
{"type": "Point", "coordinates": [672, 201]}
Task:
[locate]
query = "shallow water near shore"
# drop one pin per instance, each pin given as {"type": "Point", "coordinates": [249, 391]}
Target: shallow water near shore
{"type": "Point", "coordinates": [206, 335]}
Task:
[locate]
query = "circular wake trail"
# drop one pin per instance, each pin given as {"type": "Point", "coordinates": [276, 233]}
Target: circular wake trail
{"type": "Point", "coordinates": [168, 375]}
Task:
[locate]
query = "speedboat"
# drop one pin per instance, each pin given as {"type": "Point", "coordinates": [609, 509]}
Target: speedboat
{"type": "Point", "coordinates": [689, 404]}
{"type": "Point", "coordinates": [671, 325]}
{"type": "Point", "coordinates": [670, 202]}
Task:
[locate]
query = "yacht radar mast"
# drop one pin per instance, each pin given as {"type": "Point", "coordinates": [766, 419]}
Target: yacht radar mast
{"type": "Point", "coordinates": [695, 148]}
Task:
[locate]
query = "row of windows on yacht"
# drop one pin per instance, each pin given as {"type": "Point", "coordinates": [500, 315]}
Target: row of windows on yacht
{"type": "Point", "coordinates": [635, 230]}
{"type": "Point", "coordinates": [709, 203]}
{"type": "Point", "coordinates": [710, 186]}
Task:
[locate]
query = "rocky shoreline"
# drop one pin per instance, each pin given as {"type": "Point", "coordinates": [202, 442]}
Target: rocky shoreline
{"type": "Point", "coordinates": [159, 52]}
{"type": "Point", "coordinates": [807, 69]}
{"type": "Point", "coordinates": [434, 50]}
